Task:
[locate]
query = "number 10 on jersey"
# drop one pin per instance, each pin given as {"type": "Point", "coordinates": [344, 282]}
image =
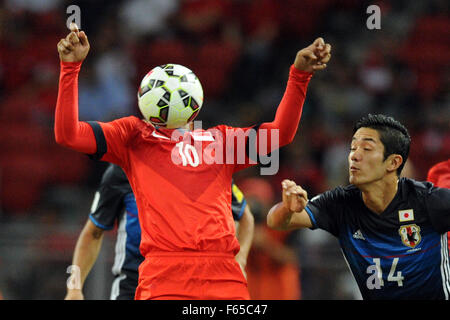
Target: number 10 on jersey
{"type": "Point", "coordinates": [188, 154]}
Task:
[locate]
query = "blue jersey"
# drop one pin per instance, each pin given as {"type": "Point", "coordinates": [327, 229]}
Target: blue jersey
{"type": "Point", "coordinates": [115, 201]}
{"type": "Point", "coordinates": [401, 253]}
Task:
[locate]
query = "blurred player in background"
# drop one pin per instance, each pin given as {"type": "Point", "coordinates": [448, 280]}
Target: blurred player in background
{"type": "Point", "coordinates": [392, 230]}
{"type": "Point", "coordinates": [439, 175]}
{"type": "Point", "coordinates": [114, 201]}
{"type": "Point", "coordinates": [187, 234]}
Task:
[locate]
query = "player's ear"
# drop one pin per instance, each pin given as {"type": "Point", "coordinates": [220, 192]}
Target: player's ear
{"type": "Point", "coordinates": [393, 162]}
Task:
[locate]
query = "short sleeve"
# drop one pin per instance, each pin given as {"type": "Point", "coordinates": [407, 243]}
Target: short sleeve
{"type": "Point", "coordinates": [325, 211]}
{"type": "Point", "coordinates": [437, 202]}
{"type": "Point", "coordinates": [108, 202]}
{"type": "Point", "coordinates": [238, 202]}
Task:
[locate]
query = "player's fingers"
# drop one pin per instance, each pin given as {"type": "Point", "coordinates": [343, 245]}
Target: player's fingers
{"type": "Point", "coordinates": [62, 48]}
{"type": "Point", "coordinates": [325, 59]}
{"type": "Point", "coordinates": [67, 44]}
{"type": "Point", "coordinates": [301, 193]}
{"type": "Point", "coordinates": [287, 190]}
{"type": "Point", "coordinates": [292, 190]}
{"type": "Point", "coordinates": [324, 52]}
{"type": "Point", "coordinates": [310, 54]}
{"type": "Point", "coordinates": [287, 183]}
{"type": "Point", "coordinates": [73, 38]}
{"type": "Point", "coordinates": [83, 38]}
{"type": "Point", "coordinates": [319, 66]}
{"type": "Point", "coordinates": [319, 43]}
{"type": "Point", "coordinates": [73, 27]}
{"type": "Point", "coordinates": [303, 203]}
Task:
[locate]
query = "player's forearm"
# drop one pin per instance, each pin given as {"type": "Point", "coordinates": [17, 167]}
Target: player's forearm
{"type": "Point", "coordinates": [69, 131]}
{"type": "Point", "coordinates": [86, 253]}
{"type": "Point", "coordinates": [279, 217]}
{"type": "Point", "coordinates": [290, 109]}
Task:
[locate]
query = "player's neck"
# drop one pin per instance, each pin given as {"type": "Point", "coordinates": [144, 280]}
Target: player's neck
{"type": "Point", "coordinates": [378, 195]}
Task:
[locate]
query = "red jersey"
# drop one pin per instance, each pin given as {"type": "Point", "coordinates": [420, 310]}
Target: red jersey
{"type": "Point", "coordinates": [181, 180]}
{"type": "Point", "coordinates": [180, 183]}
{"type": "Point", "coordinates": [439, 175]}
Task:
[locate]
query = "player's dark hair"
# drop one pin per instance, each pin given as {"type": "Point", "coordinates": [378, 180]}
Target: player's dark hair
{"type": "Point", "coordinates": [393, 135]}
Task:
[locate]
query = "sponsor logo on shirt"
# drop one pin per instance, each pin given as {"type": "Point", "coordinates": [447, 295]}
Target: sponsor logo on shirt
{"type": "Point", "coordinates": [156, 135]}
{"type": "Point", "coordinates": [358, 235]}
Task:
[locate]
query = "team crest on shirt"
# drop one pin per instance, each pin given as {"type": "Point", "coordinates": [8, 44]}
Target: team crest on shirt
{"type": "Point", "coordinates": [410, 235]}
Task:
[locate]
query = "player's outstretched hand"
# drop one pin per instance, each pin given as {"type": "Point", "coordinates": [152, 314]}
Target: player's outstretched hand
{"type": "Point", "coordinates": [294, 197]}
{"type": "Point", "coordinates": [314, 57]}
{"type": "Point", "coordinates": [75, 46]}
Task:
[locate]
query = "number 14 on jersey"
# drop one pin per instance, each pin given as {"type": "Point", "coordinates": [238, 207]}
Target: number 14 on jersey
{"type": "Point", "coordinates": [375, 280]}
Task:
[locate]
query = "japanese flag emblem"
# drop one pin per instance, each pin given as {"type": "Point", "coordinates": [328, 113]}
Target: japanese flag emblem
{"type": "Point", "coordinates": [406, 215]}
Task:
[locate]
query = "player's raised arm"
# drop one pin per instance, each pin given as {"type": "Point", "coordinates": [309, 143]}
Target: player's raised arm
{"type": "Point", "coordinates": [69, 131]}
{"type": "Point", "coordinates": [290, 213]}
{"type": "Point", "coordinates": [307, 61]}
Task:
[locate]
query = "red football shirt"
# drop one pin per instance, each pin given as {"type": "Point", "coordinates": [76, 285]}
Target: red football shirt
{"type": "Point", "coordinates": [180, 181]}
{"type": "Point", "coordinates": [439, 174]}
{"type": "Point", "coordinates": [182, 188]}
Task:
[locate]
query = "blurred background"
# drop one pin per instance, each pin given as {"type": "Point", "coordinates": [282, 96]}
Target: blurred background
{"type": "Point", "coordinates": [241, 50]}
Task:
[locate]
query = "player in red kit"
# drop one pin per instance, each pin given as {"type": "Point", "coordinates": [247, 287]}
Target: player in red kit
{"type": "Point", "coordinates": [439, 175]}
{"type": "Point", "coordinates": [188, 237]}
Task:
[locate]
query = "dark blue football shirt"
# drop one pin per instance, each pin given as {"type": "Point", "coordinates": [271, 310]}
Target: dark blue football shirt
{"type": "Point", "coordinates": [401, 253]}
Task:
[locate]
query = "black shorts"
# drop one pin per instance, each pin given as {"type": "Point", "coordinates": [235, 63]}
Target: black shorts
{"type": "Point", "coordinates": [124, 285]}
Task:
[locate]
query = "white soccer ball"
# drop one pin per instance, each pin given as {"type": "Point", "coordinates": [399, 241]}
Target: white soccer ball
{"type": "Point", "coordinates": [170, 96]}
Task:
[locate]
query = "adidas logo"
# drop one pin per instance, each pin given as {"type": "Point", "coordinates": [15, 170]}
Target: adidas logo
{"type": "Point", "coordinates": [358, 235]}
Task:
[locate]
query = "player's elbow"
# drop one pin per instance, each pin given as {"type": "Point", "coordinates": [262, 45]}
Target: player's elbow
{"type": "Point", "coordinates": [64, 139]}
{"type": "Point", "coordinates": [61, 139]}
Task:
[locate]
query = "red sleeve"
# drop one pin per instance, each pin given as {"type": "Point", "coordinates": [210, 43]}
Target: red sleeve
{"type": "Point", "coordinates": [103, 141]}
{"type": "Point", "coordinates": [69, 131]}
{"type": "Point", "coordinates": [289, 110]}
{"type": "Point", "coordinates": [439, 174]}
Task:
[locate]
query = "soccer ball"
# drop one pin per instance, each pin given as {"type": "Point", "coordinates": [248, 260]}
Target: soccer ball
{"type": "Point", "coordinates": [170, 96]}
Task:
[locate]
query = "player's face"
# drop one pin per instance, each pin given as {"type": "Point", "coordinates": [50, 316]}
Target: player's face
{"type": "Point", "coordinates": [365, 160]}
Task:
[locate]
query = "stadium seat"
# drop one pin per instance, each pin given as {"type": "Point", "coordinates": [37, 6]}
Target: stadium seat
{"type": "Point", "coordinates": [22, 178]}
{"type": "Point", "coordinates": [20, 137]}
